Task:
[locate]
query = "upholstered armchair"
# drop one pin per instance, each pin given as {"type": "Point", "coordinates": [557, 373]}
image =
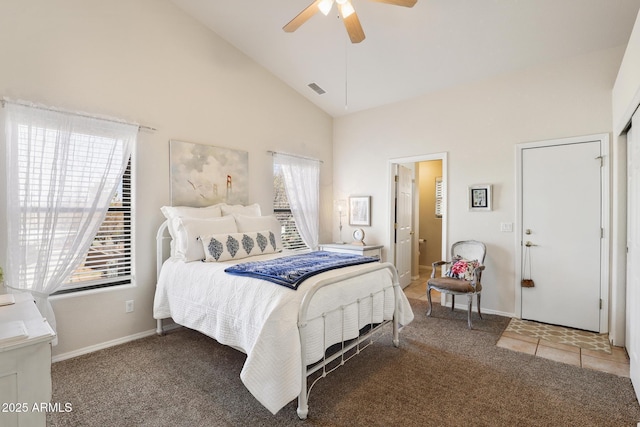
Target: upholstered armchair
{"type": "Point", "coordinates": [464, 276]}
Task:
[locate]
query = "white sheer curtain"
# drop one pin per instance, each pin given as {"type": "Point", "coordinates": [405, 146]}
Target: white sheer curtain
{"type": "Point", "coordinates": [62, 173]}
{"type": "Point", "coordinates": [302, 184]}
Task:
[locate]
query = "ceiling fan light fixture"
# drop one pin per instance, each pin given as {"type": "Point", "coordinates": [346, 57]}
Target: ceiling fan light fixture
{"type": "Point", "coordinates": [348, 13]}
{"type": "Point", "coordinates": [346, 9]}
{"type": "Point", "coordinates": [325, 6]}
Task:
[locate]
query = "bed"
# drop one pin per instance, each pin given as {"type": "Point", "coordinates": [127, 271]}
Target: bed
{"type": "Point", "coordinates": [287, 334]}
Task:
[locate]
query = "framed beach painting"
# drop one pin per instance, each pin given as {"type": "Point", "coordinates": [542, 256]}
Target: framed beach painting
{"type": "Point", "coordinates": [203, 175]}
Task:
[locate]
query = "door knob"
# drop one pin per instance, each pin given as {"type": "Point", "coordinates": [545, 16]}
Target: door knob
{"type": "Point", "coordinates": [529, 244]}
{"type": "Point", "coordinates": [527, 231]}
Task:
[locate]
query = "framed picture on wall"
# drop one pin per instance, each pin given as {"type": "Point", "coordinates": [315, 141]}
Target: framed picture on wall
{"type": "Point", "coordinates": [360, 210]}
{"type": "Point", "coordinates": [203, 175]}
{"type": "Point", "coordinates": [480, 197]}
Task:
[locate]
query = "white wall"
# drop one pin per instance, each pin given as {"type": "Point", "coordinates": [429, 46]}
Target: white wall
{"type": "Point", "coordinates": [478, 125]}
{"type": "Point", "coordinates": [146, 61]}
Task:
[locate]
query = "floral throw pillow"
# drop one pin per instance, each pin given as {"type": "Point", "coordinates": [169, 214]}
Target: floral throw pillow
{"type": "Point", "coordinates": [462, 269]}
{"type": "Point", "coordinates": [224, 247]}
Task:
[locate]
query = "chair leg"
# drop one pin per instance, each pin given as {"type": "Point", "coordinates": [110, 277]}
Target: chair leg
{"type": "Point", "coordinates": [429, 300]}
{"type": "Point", "coordinates": [453, 301]}
{"type": "Point", "coordinates": [479, 314]}
{"type": "Point", "coordinates": [469, 303]}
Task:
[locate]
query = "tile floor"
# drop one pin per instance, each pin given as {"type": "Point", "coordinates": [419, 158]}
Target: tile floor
{"type": "Point", "coordinates": [586, 349]}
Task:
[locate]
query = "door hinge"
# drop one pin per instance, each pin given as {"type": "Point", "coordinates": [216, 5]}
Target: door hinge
{"type": "Point", "coordinates": [600, 303]}
{"type": "Point", "coordinates": [395, 178]}
{"type": "Point", "coordinates": [602, 232]}
{"type": "Point", "coordinates": [601, 158]}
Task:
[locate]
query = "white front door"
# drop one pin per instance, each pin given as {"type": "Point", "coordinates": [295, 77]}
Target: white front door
{"type": "Point", "coordinates": [561, 223]}
{"type": "Point", "coordinates": [404, 198]}
{"type": "Point", "coordinates": [632, 338]}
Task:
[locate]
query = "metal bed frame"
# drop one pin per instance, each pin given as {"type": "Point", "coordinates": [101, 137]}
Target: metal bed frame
{"type": "Point", "coordinates": [347, 348]}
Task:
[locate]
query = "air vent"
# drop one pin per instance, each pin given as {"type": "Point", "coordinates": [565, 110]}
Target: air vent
{"type": "Point", "coordinates": [317, 89]}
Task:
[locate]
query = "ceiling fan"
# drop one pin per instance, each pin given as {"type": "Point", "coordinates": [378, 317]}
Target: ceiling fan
{"type": "Point", "coordinates": [347, 11]}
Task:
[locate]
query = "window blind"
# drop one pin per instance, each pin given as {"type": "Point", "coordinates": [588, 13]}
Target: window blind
{"type": "Point", "coordinates": [439, 198]}
{"type": "Point", "coordinates": [282, 211]}
{"type": "Point", "coordinates": [108, 260]}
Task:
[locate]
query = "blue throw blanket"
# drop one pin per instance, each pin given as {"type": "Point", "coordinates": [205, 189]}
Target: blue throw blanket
{"type": "Point", "coordinates": [291, 271]}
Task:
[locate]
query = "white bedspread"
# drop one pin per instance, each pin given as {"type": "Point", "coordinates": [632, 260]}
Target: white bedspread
{"type": "Point", "coordinates": [260, 318]}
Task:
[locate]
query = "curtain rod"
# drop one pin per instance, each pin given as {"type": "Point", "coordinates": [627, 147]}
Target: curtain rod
{"type": "Point", "coordinates": [273, 153]}
{"type": "Point", "coordinates": [40, 107]}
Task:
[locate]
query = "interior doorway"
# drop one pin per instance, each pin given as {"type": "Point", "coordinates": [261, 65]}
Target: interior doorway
{"type": "Point", "coordinates": [413, 163]}
{"type": "Point", "coordinates": [428, 214]}
{"type": "Point", "coordinates": [404, 223]}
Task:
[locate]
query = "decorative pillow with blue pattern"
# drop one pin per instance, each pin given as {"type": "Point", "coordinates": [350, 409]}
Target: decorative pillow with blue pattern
{"type": "Point", "coordinates": [230, 246]}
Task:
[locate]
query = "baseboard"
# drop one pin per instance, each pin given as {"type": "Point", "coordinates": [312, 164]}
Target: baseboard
{"type": "Point", "coordinates": [465, 307]}
{"type": "Point", "coordinates": [102, 346]}
{"type": "Point", "coordinates": [499, 313]}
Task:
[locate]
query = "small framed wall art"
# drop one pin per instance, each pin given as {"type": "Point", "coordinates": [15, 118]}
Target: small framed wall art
{"type": "Point", "coordinates": [480, 197]}
{"type": "Point", "coordinates": [360, 210]}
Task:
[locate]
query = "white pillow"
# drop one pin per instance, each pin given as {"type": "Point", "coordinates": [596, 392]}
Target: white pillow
{"type": "Point", "coordinates": [224, 247]}
{"type": "Point", "coordinates": [186, 246]}
{"type": "Point", "coordinates": [171, 212]}
{"type": "Point", "coordinates": [247, 223]}
{"type": "Point", "coordinates": [252, 210]}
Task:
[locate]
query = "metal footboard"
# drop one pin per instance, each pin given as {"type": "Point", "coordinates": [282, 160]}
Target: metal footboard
{"type": "Point", "coordinates": [355, 345]}
{"type": "Point", "coordinates": [347, 347]}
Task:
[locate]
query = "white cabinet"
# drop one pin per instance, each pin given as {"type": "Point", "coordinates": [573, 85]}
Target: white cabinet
{"type": "Point", "coordinates": [367, 250]}
{"type": "Point", "coordinates": [25, 366]}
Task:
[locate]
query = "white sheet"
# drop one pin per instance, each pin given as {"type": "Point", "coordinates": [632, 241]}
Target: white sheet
{"type": "Point", "coordinates": [260, 318]}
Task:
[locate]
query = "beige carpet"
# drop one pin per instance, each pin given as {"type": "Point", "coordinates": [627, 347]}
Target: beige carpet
{"type": "Point", "coordinates": [443, 374]}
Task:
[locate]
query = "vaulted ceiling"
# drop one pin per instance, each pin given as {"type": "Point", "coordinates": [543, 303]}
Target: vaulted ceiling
{"type": "Point", "coordinates": [409, 52]}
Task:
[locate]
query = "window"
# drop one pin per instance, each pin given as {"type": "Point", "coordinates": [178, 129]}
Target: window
{"type": "Point", "coordinates": [439, 197]}
{"type": "Point", "coordinates": [69, 201]}
{"type": "Point", "coordinates": [282, 210]}
{"type": "Point", "coordinates": [108, 261]}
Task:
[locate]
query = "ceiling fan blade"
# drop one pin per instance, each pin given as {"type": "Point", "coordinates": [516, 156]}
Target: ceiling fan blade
{"type": "Point", "coordinates": [405, 3]}
{"type": "Point", "coordinates": [302, 17]}
{"type": "Point", "coordinates": [352, 24]}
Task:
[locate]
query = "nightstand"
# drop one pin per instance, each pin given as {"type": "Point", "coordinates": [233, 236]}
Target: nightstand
{"type": "Point", "coordinates": [368, 250]}
{"type": "Point", "coordinates": [25, 365]}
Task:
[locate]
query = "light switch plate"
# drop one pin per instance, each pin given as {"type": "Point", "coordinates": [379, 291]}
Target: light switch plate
{"type": "Point", "coordinates": [506, 227]}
